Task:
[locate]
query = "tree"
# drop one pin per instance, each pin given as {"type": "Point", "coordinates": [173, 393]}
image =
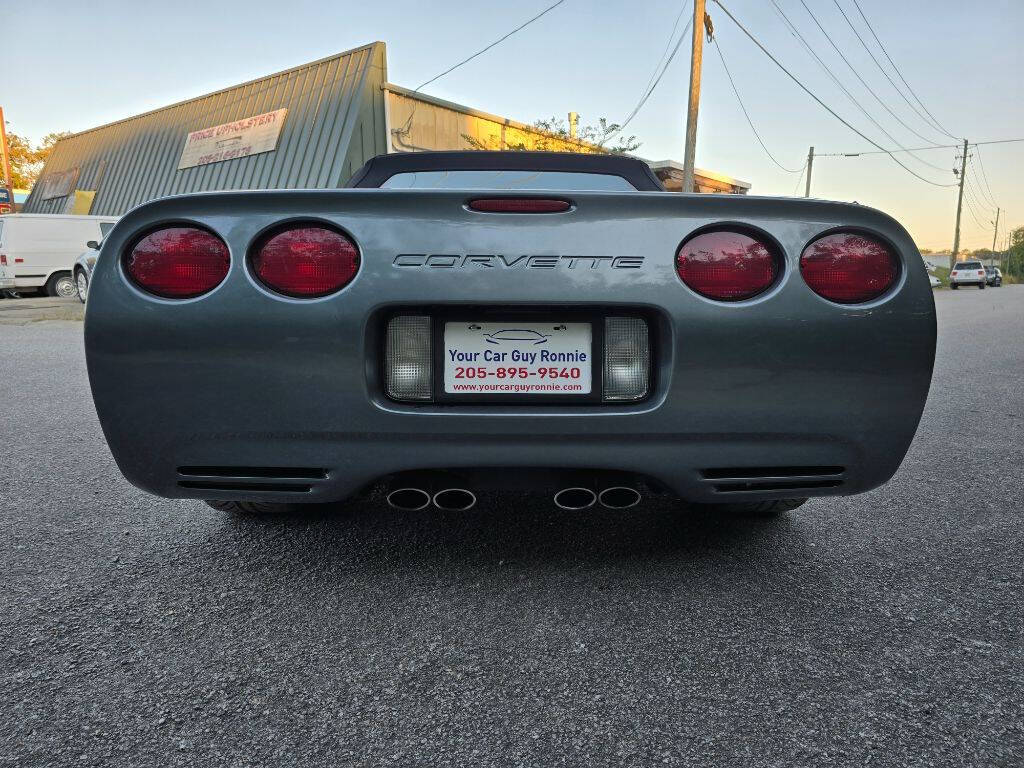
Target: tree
{"type": "Point", "coordinates": [1015, 256]}
{"type": "Point", "coordinates": [19, 154]}
{"type": "Point", "coordinates": [27, 161]}
{"type": "Point", "coordinates": [552, 135]}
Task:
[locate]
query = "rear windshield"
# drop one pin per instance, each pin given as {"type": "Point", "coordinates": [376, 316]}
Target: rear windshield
{"type": "Point", "coordinates": [546, 180]}
{"type": "Point", "coordinates": [968, 265]}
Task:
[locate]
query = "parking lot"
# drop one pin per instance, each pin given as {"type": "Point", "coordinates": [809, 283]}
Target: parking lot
{"type": "Point", "coordinates": [881, 629]}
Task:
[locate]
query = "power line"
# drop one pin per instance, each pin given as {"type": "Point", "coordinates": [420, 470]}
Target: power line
{"type": "Point", "coordinates": [897, 70]}
{"type": "Point", "coordinates": [857, 75]}
{"type": "Point", "coordinates": [822, 103]}
{"type": "Point", "coordinates": [979, 199]}
{"type": "Point", "coordinates": [983, 174]}
{"type": "Point", "coordinates": [881, 69]}
{"type": "Point", "coordinates": [651, 88]}
{"type": "Point", "coordinates": [974, 215]}
{"type": "Point", "coordinates": [799, 179]}
{"type": "Point", "coordinates": [914, 149]}
{"type": "Point", "coordinates": [810, 49]}
{"type": "Point", "coordinates": [668, 44]}
{"type": "Point", "coordinates": [718, 47]}
{"type": "Point", "coordinates": [986, 199]}
{"type": "Point", "coordinates": [501, 39]}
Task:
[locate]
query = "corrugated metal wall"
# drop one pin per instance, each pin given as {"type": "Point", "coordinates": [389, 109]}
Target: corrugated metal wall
{"type": "Point", "coordinates": [335, 122]}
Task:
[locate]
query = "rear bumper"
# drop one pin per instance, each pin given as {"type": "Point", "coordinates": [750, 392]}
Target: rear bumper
{"type": "Point", "coordinates": [243, 382]}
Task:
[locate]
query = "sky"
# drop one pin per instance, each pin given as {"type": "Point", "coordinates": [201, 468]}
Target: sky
{"type": "Point", "coordinates": [73, 65]}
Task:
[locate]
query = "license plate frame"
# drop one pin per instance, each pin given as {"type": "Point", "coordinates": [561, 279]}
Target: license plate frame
{"type": "Point", "coordinates": [595, 320]}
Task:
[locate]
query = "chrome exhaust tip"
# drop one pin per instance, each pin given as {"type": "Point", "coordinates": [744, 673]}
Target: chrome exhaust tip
{"type": "Point", "coordinates": [575, 498]}
{"type": "Point", "coordinates": [408, 499]}
{"type": "Point", "coordinates": [619, 497]}
{"type": "Point", "coordinates": [454, 500]}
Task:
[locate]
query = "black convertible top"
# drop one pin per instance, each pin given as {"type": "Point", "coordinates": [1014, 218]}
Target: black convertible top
{"type": "Point", "coordinates": [379, 169]}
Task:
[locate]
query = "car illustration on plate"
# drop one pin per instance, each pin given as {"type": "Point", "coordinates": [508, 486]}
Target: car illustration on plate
{"type": "Point", "coordinates": [516, 334]}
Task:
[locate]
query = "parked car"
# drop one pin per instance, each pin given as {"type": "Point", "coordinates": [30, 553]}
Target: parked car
{"type": "Point", "coordinates": [265, 348]}
{"type": "Point", "coordinates": [934, 281]}
{"type": "Point", "coordinates": [993, 276]}
{"type": "Point", "coordinates": [967, 273]}
{"type": "Point", "coordinates": [40, 249]}
{"type": "Point", "coordinates": [84, 265]}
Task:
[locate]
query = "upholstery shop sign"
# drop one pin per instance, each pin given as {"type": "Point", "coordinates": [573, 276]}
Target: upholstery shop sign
{"type": "Point", "coordinates": [248, 136]}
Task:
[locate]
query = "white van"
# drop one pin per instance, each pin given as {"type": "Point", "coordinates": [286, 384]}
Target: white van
{"type": "Point", "coordinates": [39, 250]}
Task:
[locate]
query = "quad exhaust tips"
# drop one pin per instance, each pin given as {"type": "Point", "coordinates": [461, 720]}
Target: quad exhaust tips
{"type": "Point", "coordinates": [419, 495]}
{"type": "Point", "coordinates": [615, 497]}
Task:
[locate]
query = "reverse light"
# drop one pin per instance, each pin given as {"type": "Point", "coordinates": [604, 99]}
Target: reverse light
{"type": "Point", "coordinates": [408, 358]}
{"type": "Point", "coordinates": [849, 267]}
{"type": "Point", "coordinates": [627, 358]}
{"type": "Point", "coordinates": [727, 266]}
{"type": "Point", "coordinates": [305, 261]}
{"type": "Point", "coordinates": [178, 262]}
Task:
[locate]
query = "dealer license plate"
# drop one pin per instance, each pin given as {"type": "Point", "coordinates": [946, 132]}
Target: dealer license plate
{"type": "Point", "coordinates": [517, 358]}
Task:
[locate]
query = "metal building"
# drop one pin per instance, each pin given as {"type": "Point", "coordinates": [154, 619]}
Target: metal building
{"type": "Point", "coordinates": [310, 127]}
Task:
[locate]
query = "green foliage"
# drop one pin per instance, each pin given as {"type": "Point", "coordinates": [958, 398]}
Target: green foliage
{"type": "Point", "coordinates": [1015, 257]}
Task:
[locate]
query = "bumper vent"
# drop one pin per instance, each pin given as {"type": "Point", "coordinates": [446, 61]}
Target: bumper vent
{"type": "Point", "coordinates": [253, 479]}
{"type": "Point", "coordinates": [759, 479]}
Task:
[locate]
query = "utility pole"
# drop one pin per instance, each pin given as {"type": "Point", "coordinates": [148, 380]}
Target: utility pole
{"type": "Point", "coordinates": [994, 235]}
{"type": "Point", "coordinates": [696, 55]}
{"type": "Point", "coordinates": [7, 203]}
{"type": "Point", "coordinates": [959, 206]}
{"type": "Point", "coordinates": [810, 165]}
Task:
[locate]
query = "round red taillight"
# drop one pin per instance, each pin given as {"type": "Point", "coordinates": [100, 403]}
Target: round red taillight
{"type": "Point", "coordinates": [848, 267]}
{"type": "Point", "coordinates": [306, 261]}
{"type": "Point", "coordinates": [178, 262]}
{"type": "Point", "coordinates": [727, 266]}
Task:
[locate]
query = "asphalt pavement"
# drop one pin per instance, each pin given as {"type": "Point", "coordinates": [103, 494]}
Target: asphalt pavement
{"type": "Point", "coordinates": [881, 629]}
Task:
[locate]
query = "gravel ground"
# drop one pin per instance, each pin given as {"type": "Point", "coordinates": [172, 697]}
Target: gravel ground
{"type": "Point", "coordinates": [881, 629]}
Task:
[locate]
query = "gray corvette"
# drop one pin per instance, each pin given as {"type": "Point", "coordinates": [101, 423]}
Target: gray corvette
{"type": "Point", "coordinates": [482, 320]}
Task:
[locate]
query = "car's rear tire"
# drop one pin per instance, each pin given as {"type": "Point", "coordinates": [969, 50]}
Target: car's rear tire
{"type": "Point", "coordinates": [61, 285]}
{"type": "Point", "coordinates": [81, 284]}
{"type": "Point", "coordinates": [764, 509]}
{"type": "Point", "coordinates": [953, 286]}
{"type": "Point", "coordinates": [981, 286]}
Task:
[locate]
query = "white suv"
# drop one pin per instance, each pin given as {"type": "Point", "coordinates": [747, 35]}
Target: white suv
{"type": "Point", "coordinates": [968, 273]}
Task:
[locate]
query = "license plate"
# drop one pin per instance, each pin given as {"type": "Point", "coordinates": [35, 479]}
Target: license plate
{"type": "Point", "coordinates": [517, 358]}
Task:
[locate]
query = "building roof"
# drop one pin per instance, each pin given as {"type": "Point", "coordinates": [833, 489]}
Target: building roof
{"type": "Point", "coordinates": [714, 175]}
{"type": "Point", "coordinates": [334, 123]}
